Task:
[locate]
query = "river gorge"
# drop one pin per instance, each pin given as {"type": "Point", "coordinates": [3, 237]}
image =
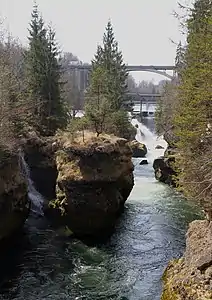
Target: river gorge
{"type": "Point", "coordinates": [45, 264]}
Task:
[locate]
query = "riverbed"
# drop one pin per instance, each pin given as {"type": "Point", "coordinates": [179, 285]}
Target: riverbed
{"type": "Point", "coordinates": [128, 266]}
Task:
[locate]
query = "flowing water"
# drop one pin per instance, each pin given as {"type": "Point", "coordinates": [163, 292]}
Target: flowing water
{"type": "Point", "coordinates": [129, 266]}
{"type": "Point", "coordinates": [34, 196]}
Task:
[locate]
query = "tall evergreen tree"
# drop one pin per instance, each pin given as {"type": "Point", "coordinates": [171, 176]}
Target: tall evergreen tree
{"type": "Point", "coordinates": [110, 58]}
{"type": "Point", "coordinates": [107, 93]}
{"type": "Point", "coordinates": [180, 59]}
{"type": "Point", "coordinates": [43, 76]}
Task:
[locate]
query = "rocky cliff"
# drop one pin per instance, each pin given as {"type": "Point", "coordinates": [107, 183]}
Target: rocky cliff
{"type": "Point", "coordinates": [190, 278]}
{"type": "Point", "coordinates": [14, 204]}
{"type": "Point", "coordinates": [95, 178]}
{"type": "Point", "coordinates": [40, 157]}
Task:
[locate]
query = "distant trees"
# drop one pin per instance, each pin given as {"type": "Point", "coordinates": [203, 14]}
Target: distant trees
{"type": "Point", "coordinates": [43, 77]}
{"type": "Point", "coordinates": [169, 101]}
{"type": "Point", "coordinates": [166, 108]}
{"type": "Point", "coordinates": [12, 107]}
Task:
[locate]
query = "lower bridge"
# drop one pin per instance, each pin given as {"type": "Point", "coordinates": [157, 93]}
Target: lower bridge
{"type": "Point", "coordinates": [143, 103]}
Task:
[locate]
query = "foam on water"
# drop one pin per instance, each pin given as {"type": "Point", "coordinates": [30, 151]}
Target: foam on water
{"type": "Point", "coordinates": [144, 135]}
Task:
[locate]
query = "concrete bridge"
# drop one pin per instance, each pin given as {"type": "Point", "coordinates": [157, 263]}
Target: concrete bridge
{"type": "Point", "coordinates": [161, 69]}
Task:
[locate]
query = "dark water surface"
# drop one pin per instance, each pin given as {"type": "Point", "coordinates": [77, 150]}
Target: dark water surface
{"type": "Point", "coordinates": [129, 266]}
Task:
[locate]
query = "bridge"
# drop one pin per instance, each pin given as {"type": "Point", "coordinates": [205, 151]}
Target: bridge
{"type": "Point", "coordinates": [145, 98]}
{"type": "Point", "coordinates": [135, 68]}
{"type": "Point", "coordinates": [143, 102]}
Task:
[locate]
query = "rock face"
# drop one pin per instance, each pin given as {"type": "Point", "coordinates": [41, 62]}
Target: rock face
{"type": "Point", "coordinates": [14, 204]}
{"type": "Point", "coordinates": [159, 147]}
{"type": "Point", "coordinates": [190, 277]}
{"type": "Point", "coordinates": [40, 157]}
{"type": "Point", "coordinates": [94, 180]}
{"type": "Point", "coordinates": [143, 162]}
{"type": "Point", "coordinates": [138, 149]}
{"type": "Point", "coordinates": [163, 166]}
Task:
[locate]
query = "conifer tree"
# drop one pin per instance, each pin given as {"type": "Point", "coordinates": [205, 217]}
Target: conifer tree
{"type": "Point", "coordinates": [43, 77]}
{"type": "Point", "coordinates": [107, 93]}
{"type": "Point", "coordinates": [193, 116]}
{"type": "Point", "coordinates": [180, 59]}
{"type": "Point", "coordinates": [110, 58]}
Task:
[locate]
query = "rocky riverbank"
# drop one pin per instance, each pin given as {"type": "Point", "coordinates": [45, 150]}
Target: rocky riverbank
{"type": "Point", "coordinates": [164, 167]}
{"type": "Point", "coordinates": [95, 178]}
{"type": "Point", "coordinates": [138, 149]}
{"type": "Point", "coordinates": [14, 204]}
{"type": "Point", "coordinates": [85, 182]}
{"type": "Point", "coordinates": [190, 278]}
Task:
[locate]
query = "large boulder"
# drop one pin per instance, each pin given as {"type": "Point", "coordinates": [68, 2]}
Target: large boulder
{"type": "Point", "coordinates": [143, 162]}
{"type": "Point", "coordinates": [95, 178]}
{"type": "Point", "coordinates": [159, 147]}
{"type": "Point", "coordinates": [190, 277]}
{"type": "Point", "coordinates": [14, 203]}
{"type": "Point", "coordinates": [138, 149]}
{"type": "Point", "coordinates": [164, 167]}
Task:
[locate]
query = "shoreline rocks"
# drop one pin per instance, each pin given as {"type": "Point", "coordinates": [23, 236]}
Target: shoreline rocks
{"type": "Point", "coordinates": [144, 162]}
{"type": "Point", "coordinates": [190, 277]}
{"type": "Point", "coordinates": [164, 167]}
{"type": "Point", "coordinates": [159, 147]}
{"type": "Point", "coordinates": [139, 150]}
{"type": "Point", "coordinates": [14, 203]}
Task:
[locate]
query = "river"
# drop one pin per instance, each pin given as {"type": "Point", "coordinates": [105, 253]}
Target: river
{"type": "Point", "coordinates": [128, 266]}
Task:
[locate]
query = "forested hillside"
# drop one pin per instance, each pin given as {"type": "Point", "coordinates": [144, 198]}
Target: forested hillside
{"type": "Point", "coordinates": [185, 111]}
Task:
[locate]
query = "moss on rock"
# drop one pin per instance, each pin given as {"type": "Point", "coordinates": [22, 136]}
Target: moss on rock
{"type": "Point", "coordinates": [95, 178]}
{"type": "Point", "coordinates": [138, 149]}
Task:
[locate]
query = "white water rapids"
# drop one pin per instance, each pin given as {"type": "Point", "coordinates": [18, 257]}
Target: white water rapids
{"type": "Point", "coordinates": [144, 135]}
{"type": "Point", "coordinates": [34, 196]}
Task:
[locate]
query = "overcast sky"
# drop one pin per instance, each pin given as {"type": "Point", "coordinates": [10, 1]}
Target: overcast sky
{"type": "Point", "coordinates": [143, 28]}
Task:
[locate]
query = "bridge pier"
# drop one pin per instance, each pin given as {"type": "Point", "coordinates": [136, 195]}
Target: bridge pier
{"type": "Point", "coordinates": [141, 103]}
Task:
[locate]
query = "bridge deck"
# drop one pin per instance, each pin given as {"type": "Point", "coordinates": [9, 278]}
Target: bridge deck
{"type": "Point", "coordinates": [130, 67]}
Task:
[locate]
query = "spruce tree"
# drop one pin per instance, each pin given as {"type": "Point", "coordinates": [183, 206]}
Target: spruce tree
{"type": "Point", "coordinates": [110, 58]}
{"type": "Point", "coordinates": [180, 59]}
{"type": "Point", "coordinates": [43, 77]}
{"type": "Point", "coordinates": [107, 93]}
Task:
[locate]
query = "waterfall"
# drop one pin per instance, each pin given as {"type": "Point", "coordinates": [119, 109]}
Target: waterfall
{"type": "Point", "coordinates": [34, 196]}
{"type": "Point", "coordinates": [144, 135]}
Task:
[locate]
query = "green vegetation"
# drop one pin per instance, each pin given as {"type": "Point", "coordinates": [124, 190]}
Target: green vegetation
{"type": "Point", "coordinates": [39, 94]}
{"type": "Point", "coordinates": [30, 85]}
{"type": "Point", "coordinates": [186, 109]}
{"type": "Point", "coordinates": [105, 101]}
{"type": "Point", "coordinates": [43, 77]}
